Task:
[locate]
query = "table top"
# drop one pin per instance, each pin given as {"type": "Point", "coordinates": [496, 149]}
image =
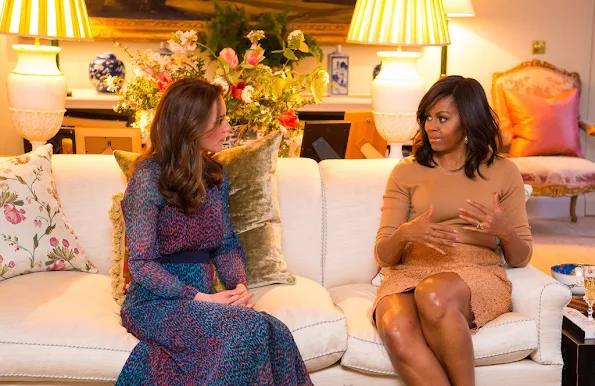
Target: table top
{"type": "Point", "coordinates": [88, 98]}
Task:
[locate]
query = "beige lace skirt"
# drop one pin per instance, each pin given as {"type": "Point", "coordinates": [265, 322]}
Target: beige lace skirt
{"type": "Point", "coordinates": [478, 267]}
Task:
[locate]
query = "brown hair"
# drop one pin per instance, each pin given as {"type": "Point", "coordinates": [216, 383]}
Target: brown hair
{"type": "Point", "coordinates": [478, 121]}
{"type": "Point", "coordinates": [181, 120]}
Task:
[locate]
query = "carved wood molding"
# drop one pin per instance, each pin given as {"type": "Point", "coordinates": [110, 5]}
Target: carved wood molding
{"type": "Point", "coordinates": [148, 30]}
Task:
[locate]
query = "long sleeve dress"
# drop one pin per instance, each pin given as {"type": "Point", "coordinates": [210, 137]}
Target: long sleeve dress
{"type": "Point", "coordinates": [410, 190]}
{"type": "Point", "coordinates": [183, 341]}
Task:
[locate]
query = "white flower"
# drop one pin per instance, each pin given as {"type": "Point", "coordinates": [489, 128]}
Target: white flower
{"type": "Point", "coordinates": [183, 42]}
{"type": "Point", "coordinates": [221, 83]}
{"type": "Point", "coordinates": [247, 94]}
{"type": "Point", "coordinates": [255, 36]}
{"type": "Point", "coordinates": [295, 35]}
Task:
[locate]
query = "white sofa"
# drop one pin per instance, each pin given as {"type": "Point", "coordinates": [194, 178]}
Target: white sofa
{"type": "Point", "coordinates": [65, 327]}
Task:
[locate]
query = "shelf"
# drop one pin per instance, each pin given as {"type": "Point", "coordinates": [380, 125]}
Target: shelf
{"type": "Point", "coordinates": [83, 98]}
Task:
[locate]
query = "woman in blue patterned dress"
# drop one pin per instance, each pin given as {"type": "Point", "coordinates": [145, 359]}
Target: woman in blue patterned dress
{"type": "Point", "coordinates": [177, 222]}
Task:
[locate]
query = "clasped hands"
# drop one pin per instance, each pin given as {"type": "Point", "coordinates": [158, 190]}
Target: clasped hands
{"type": "Point", "coordinates": [480, 219]}
{"type": "Point", "coordinates": [238, 296]}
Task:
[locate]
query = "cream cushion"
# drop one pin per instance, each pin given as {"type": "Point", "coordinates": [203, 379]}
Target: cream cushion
{"type": "Point", "coordinates": [62, 325]}
{"type": "Point", "coordinates": [318, 328]}
{"type": "Point", "coordinates": [508, 338]}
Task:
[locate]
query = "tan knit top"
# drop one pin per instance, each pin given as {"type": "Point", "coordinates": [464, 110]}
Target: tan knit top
{"type": "Point", "coordinates": [411, 188]}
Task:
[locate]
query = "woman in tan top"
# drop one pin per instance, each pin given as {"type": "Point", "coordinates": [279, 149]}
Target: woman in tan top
{"type": "Point", "coordinates": [443, 210]}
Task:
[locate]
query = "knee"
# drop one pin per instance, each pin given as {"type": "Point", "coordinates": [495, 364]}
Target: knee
{"type": "Point", "coordinates": [400, 336]}
{"type": "Point", "coordinates": [434, 301]}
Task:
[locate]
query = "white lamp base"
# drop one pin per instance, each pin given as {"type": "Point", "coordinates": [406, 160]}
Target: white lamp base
{"type": "Point", "coordinates": [396, 93]}
{"type": "Point", "coordinates": [396, 150]}
{"type": "Point", "coordinates": [37, 126]}
{"type": "Point", "coordinates": [36, 93]}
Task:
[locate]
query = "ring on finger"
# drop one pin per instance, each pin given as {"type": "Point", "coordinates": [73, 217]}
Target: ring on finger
{"type": "Point", "coordinates": [480, 226]}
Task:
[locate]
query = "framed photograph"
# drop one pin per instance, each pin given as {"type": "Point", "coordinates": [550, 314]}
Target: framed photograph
{"type": "Point", "coordinates": [155, 20]}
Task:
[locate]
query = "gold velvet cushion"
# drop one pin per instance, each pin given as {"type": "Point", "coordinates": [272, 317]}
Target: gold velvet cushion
{"type": "Point", "coordinates": [253, 209]}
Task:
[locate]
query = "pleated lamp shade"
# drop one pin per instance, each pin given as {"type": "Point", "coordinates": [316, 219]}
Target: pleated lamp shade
{"type": "Point", "coordinates": [407, 23]}
{"type": "Point", "coordinates": [49, 19]}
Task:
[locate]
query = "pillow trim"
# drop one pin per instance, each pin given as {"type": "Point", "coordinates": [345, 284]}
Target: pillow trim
{"type": "Point", "coordinates": [116, 271]}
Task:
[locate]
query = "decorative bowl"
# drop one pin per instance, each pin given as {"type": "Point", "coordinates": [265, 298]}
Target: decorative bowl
{"type": "Point", "coordinates": [571, 275]}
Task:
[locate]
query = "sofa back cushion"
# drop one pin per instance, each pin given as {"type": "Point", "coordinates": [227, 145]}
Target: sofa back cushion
{"type": "Point", "coordinates": [352, 191]}
{"type": "Point", "coordinates": [86, 184]}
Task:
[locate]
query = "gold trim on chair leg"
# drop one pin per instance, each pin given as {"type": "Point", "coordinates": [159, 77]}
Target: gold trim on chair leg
{"type": "Point", "coordinates": [573, 208]}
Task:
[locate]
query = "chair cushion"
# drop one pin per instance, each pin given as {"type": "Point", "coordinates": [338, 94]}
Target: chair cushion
{"type": "Point", "coordinates": [544, 125]}
{"type": "Point", "coordinates": [508, 338]}
{"type": "Point", "coordinates": [307, 309]}
{"type": "Point", "coordinates": [62, 325]}
{"type": "Point", "coordinates": [557, 176]}
{"type": "Point", "coordinates": [36, 235]}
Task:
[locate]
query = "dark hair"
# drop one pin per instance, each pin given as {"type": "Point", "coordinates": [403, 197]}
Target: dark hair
{"type": "Point", "coordinates": [478, 121]}
{"type": "Point", "coordinates": [181, 120]}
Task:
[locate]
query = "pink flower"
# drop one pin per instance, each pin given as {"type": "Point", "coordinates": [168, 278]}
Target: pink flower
{"type": "Point", "coordinates": [11, 264]}
{"type": "Point", "coordinates": [229, 55]}
{"type": "Point", "coordinates": [289, 119]}
{"type": "Point", "coordinates": [54, 242]}
{"type": "Point", "coordinates": [164, 79]}
{"type": "Point", "coordinates": [65, 243]}
{"type": "Point", "coordinates": [21, 160]}
{"type": "Point", "coordinates": [37, 223]}
{"type": "Point", "coordinates": [236, 90]}
{"type": "Point", "coordinates": [58, 266]}
{"type": "Point", "coordinates": [254, 55]}
{"type": "Point", "coordinates": [12, 214]}
{"type": "Point", "coordinates": [1, 259]}
{"type": "Point", "coordinates": [76, 251]}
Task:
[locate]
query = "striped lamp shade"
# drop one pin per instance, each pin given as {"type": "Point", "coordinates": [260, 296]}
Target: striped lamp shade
{"type": "Point", "coordinates": [50, 19]}
{"type": "Point", "coordinates": [411, 23]}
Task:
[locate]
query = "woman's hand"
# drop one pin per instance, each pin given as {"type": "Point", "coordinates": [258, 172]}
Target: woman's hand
{"type": "Point", "coordinates": [422, 230]}
{"type": "Point", "coordinates": [488, 221]}
{"type": "Point", "coordinates": [235, 297]}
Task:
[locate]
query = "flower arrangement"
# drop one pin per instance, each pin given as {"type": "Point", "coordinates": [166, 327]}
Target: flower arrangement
{"type": "Point", "coordinates": [259, 99]}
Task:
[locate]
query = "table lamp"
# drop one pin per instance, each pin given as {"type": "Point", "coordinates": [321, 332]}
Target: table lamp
{"type": "Point", "coordinates": [36, 87]}
{"type": "Point", "coordinates": [397, 89]}
{"type": "Point", "coordinates": [454, 8]}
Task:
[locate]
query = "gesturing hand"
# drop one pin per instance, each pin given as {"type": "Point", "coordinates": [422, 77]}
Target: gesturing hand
{"type": "Point", "coordinates": [488, 221]}
{"type": "Point", "coordinates": [422, 230]}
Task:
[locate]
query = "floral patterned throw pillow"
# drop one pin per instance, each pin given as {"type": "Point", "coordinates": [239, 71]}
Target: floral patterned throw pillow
{"type": "Point", "coordinates": [35, 235]}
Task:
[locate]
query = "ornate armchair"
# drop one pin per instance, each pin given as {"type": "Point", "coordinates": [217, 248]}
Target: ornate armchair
{"type": "Point", "coordinates": [548, 169]}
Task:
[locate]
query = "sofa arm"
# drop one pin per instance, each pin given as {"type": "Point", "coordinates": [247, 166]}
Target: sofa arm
{"type": "Point", "coordinates": [539, 296]}
{"type": "Point", "coordinates": [588, 127]}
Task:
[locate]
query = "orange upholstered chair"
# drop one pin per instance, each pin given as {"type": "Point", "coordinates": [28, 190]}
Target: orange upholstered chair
{"type": "Point", "coordinates": [540, 144]}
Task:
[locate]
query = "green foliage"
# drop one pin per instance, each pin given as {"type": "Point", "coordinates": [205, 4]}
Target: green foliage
{"type": "Point", "coordinates": [230, 26]}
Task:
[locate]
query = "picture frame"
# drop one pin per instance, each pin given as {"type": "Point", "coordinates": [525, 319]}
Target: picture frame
{"type": "Point", "coordinates": [326, 20]}
{"type": "Point", "coordinates": [93, 140]}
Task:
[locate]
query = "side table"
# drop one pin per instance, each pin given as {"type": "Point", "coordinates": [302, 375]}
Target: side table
{"type": "Point", "coordinates": [579, 359]}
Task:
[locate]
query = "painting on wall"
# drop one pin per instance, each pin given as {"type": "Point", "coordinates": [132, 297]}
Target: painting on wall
{"type": "Point", "coordinates": [154, 20]}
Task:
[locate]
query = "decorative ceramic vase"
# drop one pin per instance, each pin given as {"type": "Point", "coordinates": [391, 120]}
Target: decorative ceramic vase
{"type": "Point", "coordinates": [101, 67]}
{"type": "Point", "coordinates": [338, 64]}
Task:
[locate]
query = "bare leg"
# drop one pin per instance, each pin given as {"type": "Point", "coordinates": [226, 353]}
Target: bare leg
{"type": "Point", "coordinates": [444, 305]}
{"type": "Point", "coordinates": [399, 327]}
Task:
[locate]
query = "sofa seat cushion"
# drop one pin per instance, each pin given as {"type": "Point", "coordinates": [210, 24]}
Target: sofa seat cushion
{"type": "Point", "coordinates": [307, 309]}
{"type": "Point", "coordinates": [61, 325]}
{"type": "Point", "coordinates": [508, 338]}
{"type": "Point", "coordinates": [557, 176]}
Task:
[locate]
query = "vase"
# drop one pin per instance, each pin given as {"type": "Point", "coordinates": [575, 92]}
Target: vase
{"type": "Point", "coordinates": [338, 64]}
{"type": "Point", "coordinates": [104, 65]}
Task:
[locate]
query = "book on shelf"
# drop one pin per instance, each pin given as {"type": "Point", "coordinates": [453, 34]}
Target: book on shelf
{"type": "Point", "coordinates": [577, 323]}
